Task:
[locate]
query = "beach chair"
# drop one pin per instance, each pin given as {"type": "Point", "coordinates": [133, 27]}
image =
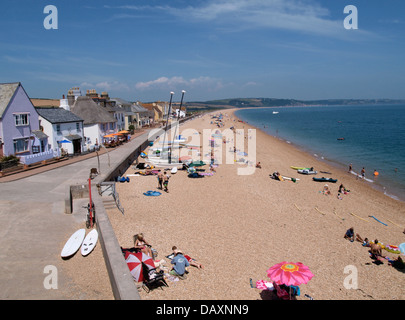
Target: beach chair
{"type": "Point", "coordinates": [152, 278]}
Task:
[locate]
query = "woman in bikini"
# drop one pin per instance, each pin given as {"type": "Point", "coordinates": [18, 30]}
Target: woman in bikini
{"type": "Point", "coordinates": [141, 244]}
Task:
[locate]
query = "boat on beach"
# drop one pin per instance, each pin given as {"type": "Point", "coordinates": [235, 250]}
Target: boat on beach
{"type": "Point", "coordinates": [306, 171]}
{"type": "Point", "coordinates": [323, 179]}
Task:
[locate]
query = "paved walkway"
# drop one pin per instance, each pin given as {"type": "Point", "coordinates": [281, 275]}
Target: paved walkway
{"type": "Point", "coordinates": [33, 223]}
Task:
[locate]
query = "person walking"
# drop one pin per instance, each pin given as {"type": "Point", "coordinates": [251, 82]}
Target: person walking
{"type": "Point", "coordinates": [166, 178]}
{"type": "Point", "coordinates": [160, 180]}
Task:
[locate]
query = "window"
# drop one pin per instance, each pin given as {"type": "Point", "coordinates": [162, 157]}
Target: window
{"type": "Point", "coordinates": [21, 145]}
{"type": "Point", "coordinates": [78, 126]}
{"type": "Point", "coordinates": [21, 119]}
{"type": "Point", "coordinates": [58, 129]}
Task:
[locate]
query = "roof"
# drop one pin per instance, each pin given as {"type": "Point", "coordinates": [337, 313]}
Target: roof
{"type": "Point", "coordinates": [85, 108]}
{"type": "Point", "coordinates": [138, 108]}
{"type": "Point", "coordinates": [45, 102]}
{"type": "Point", "coordinates": [121, 102]}
{"type": "Point", "coordinates": [58, 115]}
{"type": "Point", "coordinates": [7, 91]}
{"type": "Point", "coordinates": [39, 134]}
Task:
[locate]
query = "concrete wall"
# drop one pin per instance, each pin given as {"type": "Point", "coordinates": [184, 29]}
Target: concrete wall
{"type": "Point", "coordinates": [122, 284]}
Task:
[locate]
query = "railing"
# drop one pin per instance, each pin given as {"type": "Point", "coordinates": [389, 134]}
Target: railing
{"type": "Point", "coordinates": [37, 157]}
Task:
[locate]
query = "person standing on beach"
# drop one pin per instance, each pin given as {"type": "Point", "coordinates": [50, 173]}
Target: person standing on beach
{"type": "Point", "coordinates": [350, 168]}
{"type": "Point", "coordinates": [160, 180]}
{"type": "Point", "coordinates": [166, 181]}
{"type": "Point", "coordinates": [363, 173]}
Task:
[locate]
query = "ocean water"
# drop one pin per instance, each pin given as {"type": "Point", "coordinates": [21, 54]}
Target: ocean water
{"type": "Point", "coordinates": [374, 138]}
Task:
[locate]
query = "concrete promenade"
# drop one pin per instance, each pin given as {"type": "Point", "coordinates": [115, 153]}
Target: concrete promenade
{"type": "Point", "coordinates": [34, 223]}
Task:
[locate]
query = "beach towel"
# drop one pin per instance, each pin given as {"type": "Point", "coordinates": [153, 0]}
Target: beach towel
{"type": "Point", "coordinates": [152, 193]}
{"type": "Point", "coordinates": [264, 285]}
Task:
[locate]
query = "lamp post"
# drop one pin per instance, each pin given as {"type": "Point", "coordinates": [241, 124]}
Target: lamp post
{"type": "Point", "coordinates": [167, 122]}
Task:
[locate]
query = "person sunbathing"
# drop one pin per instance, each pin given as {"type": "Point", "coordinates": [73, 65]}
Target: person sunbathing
{"type": "Point", "coordinates": [375, 250]}
{"type": "Point", "coordinates": [141, 244]}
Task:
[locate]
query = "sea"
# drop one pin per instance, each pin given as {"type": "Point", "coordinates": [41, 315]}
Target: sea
{"type": "Point", "coordinates": [369, 136]}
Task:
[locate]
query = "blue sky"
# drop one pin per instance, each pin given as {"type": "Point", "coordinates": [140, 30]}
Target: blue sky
{"type": "Point", "coordinates": [213, 49]}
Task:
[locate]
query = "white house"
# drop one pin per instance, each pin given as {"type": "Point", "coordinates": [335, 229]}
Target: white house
{"type": "Point", "coordinates": [63, 128]}
{"type": "Point", "coordinates": [98, 122]}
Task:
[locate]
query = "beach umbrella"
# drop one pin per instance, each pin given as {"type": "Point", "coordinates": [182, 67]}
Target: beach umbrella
{"type": "Point", "coordinates": [123, 131]}
{"type": "Point", "coordinates": [290, 273]}
{"type": "Point", "coordinates": [134, 261]}
{"type": "Point", "coordinates": [65, 141]}
{"type": "Point", "coordinates": [197, 164]}
{"type": "Point", "coordinates": [109, 136]}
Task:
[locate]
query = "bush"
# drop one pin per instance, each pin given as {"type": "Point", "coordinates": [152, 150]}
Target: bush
{"type": "Point", "coordinates": [11, 158]}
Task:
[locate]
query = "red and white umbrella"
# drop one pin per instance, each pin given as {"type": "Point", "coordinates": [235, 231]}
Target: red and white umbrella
{"type": "Point", "coordinates": [134, 262]}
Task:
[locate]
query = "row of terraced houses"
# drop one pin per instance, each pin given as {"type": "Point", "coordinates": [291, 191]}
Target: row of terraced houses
{"type": "Point", "coordinates": [40, 129]}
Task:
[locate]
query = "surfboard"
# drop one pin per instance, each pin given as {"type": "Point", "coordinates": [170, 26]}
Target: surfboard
{"type": "Point", "coordinates": [174, 170]}
{"type": "Point", "coordinates": [73, 244]}
{"type": "Point", "coordinates": [89, 242]}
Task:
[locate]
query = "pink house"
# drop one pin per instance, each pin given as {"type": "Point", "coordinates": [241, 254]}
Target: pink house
{"type": "Point", "coordinates": [19, 125]}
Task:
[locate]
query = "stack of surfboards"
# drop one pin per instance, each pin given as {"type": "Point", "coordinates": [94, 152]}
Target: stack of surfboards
{"type": "Point", "coordinates": [79, 239]}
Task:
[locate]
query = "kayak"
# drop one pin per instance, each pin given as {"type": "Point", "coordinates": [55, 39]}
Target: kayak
{"type": "Point", "coordinates": [306, 171]}
{"type": "Point", "coordinates": [300, 168]}
{"type": "Point", "coordinates": [323, 179]}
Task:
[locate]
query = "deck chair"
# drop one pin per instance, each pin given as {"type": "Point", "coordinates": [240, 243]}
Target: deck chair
{"type": "Point", "coordinates": [152, 278]}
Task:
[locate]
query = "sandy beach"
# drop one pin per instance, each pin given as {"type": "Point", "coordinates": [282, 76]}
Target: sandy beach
{"type": "Point", "coordinates": [238, 226]}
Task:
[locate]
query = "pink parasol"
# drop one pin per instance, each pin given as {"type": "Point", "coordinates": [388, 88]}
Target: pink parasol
{"type": "Point", "coordinates": [290, 273]}
{"type": "Point", "coordinates": [134, 262]}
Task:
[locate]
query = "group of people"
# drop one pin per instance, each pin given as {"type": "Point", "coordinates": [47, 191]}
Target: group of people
{"type": "Point", "coordinates": [180, 261]}
{"type": "Point", "coordinates": [375, 249]}
{"type": "Point", "coordinates": [163, 181]}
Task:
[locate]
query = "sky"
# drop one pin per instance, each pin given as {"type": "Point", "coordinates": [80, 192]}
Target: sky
{"type": "Point", "coordinates": [141, 50]}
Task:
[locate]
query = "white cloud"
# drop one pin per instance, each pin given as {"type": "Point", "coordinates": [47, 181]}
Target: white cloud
{"type": "Point", "coordinates": [106, 86]}
{"type": "Point", "coordinates": [306, 16]}
{"type": "Point", "coordinates": [177, 82]}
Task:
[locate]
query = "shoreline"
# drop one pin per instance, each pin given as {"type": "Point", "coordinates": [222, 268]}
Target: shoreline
{"type": "Point", "coordinates": [397, 196]}
{"type": "Point", "coordinates": [238, 226]}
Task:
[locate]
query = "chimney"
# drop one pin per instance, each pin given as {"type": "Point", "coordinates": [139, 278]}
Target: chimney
{"type": "Point", "coordinates": [64, 103]}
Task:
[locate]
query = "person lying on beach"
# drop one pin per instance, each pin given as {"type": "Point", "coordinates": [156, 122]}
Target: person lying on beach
{"type": "Point", "coordinates": [365, 243]}
{"type": "Point", "coordinates": [397, 263]}
{"type": "Point", "coordinates": [142, 245]}
{"type": "Point", "coordinates": [190, 260]}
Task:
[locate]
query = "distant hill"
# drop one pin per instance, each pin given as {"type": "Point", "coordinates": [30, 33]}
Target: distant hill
{"type": "Point", "coordinates": [273, 102]}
